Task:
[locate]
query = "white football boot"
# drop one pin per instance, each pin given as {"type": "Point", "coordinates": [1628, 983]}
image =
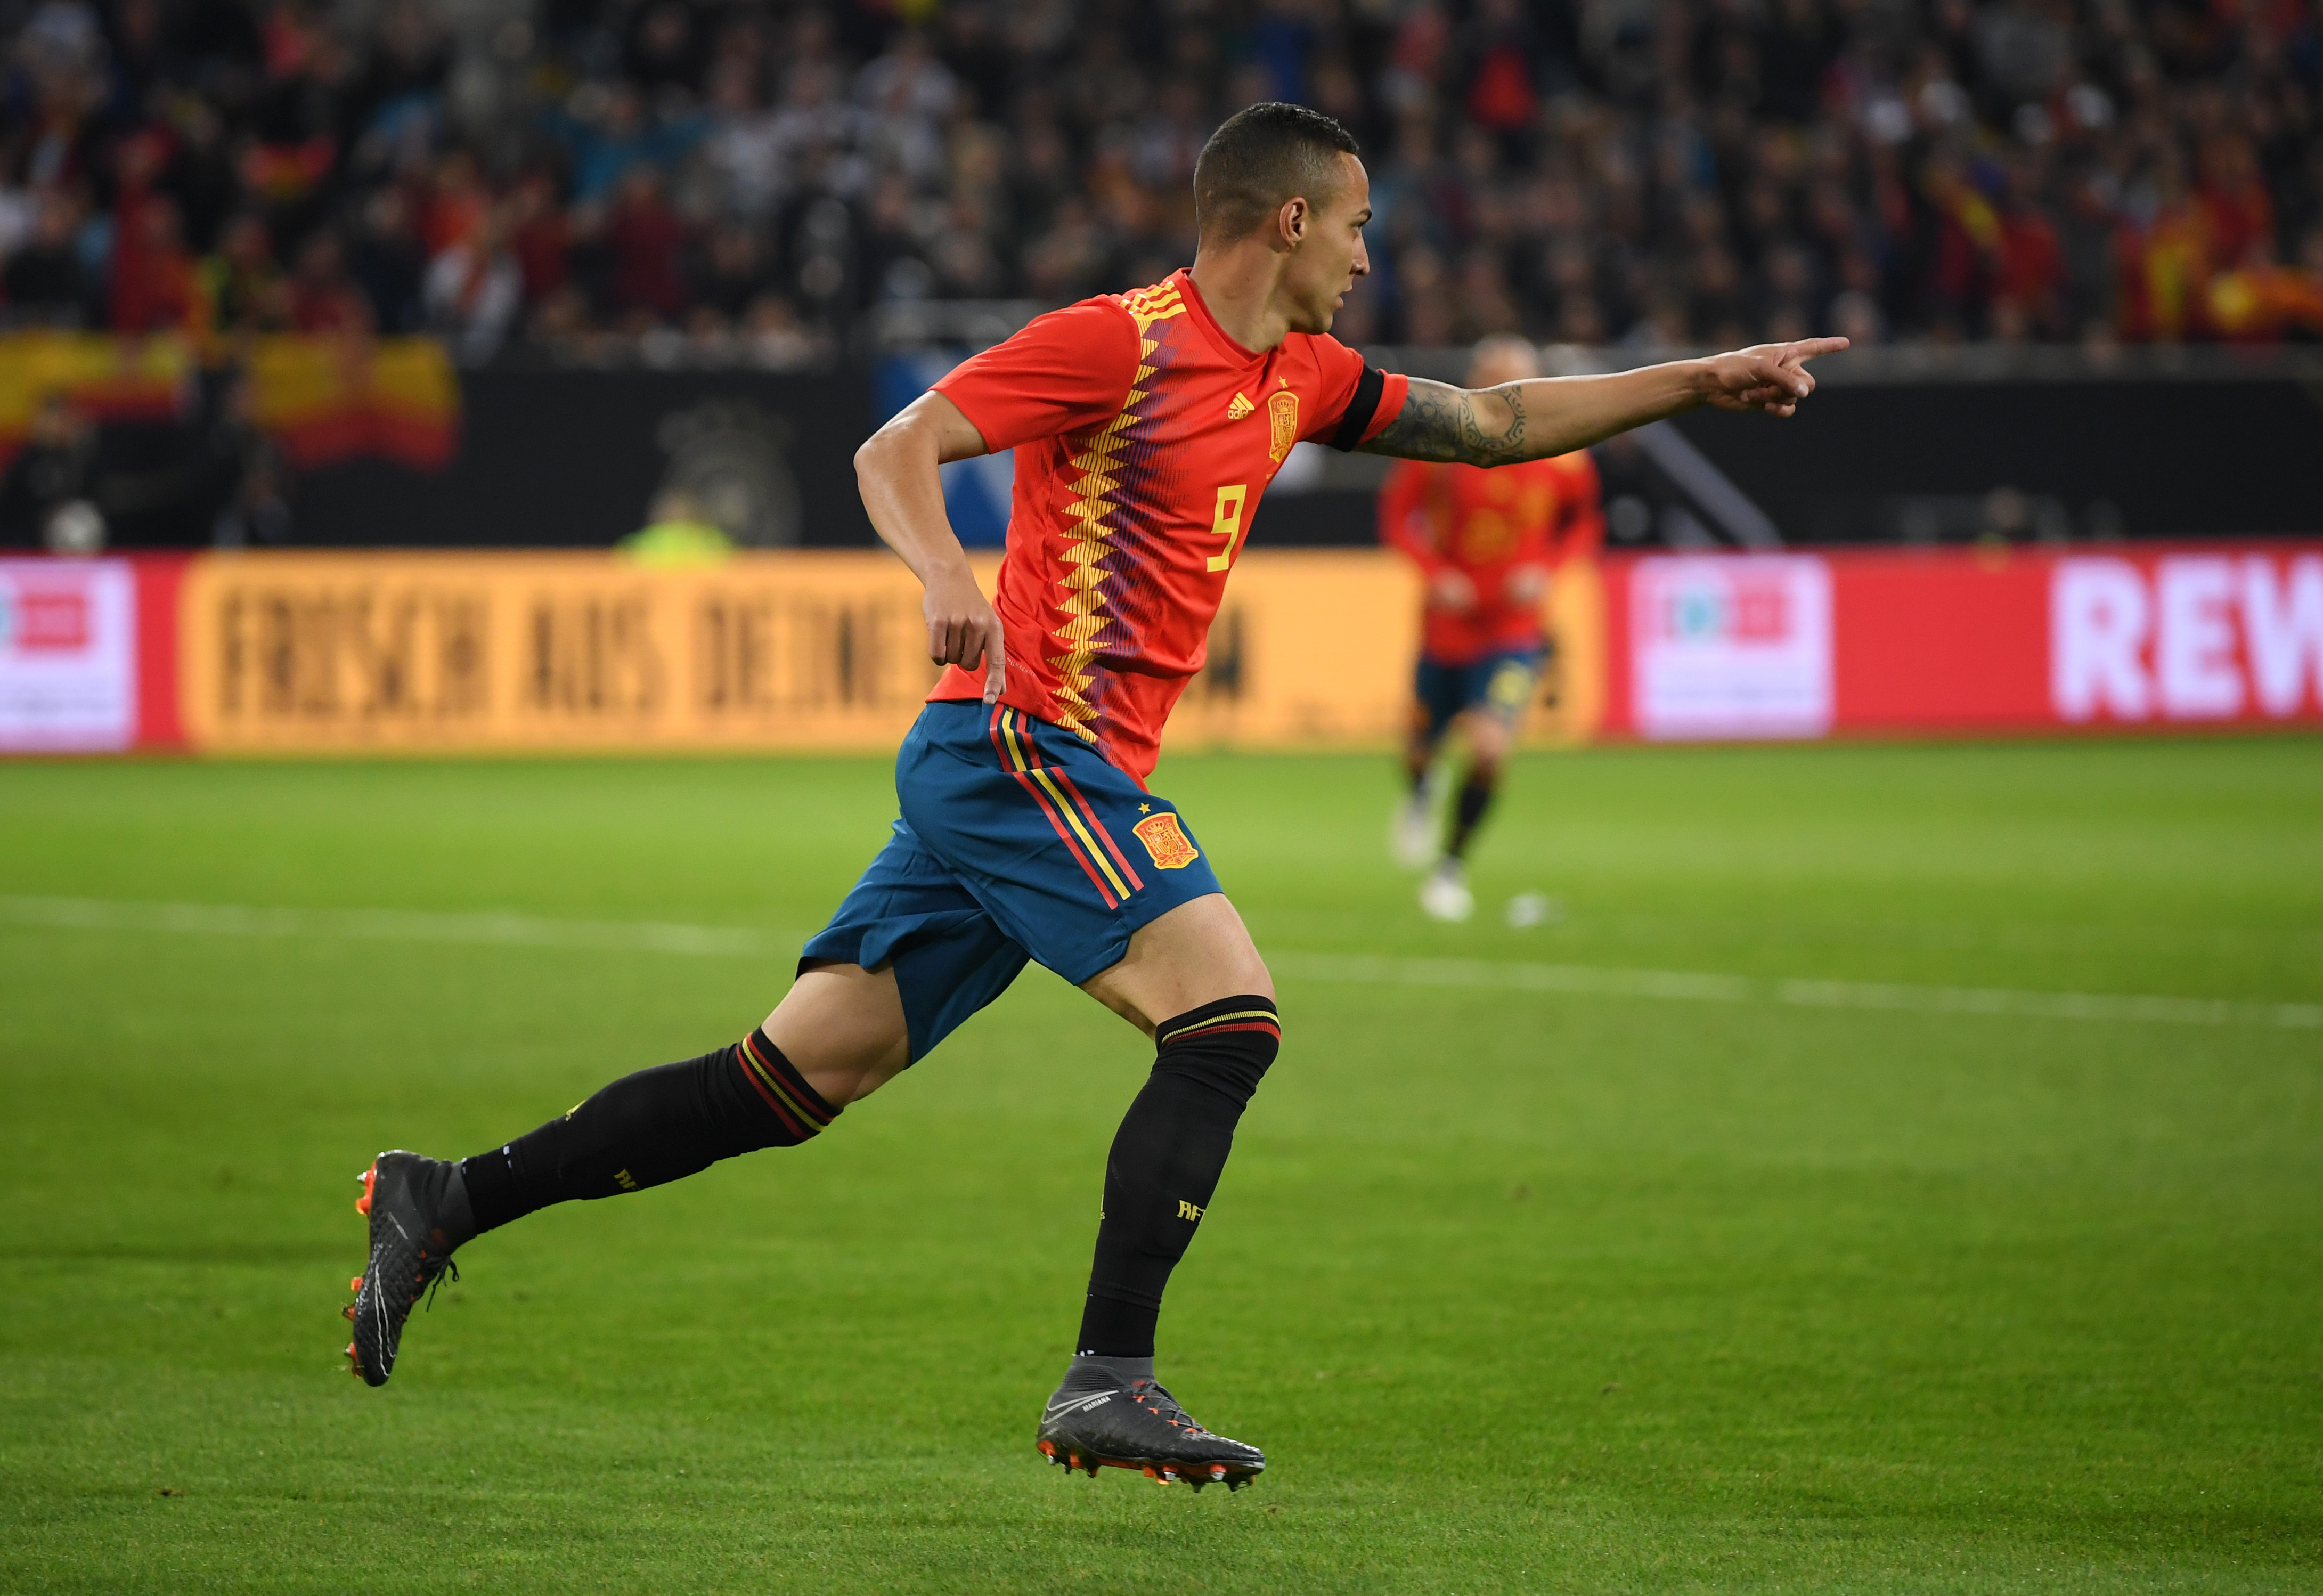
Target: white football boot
{"type": "Point", "coordinates": [1444, 894]}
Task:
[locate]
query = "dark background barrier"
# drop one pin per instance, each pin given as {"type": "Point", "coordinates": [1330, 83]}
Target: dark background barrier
{"type": "Point", "coordinates": [576, 459]}
{"type": "Point", "coordinates": [579, 459]}
{"type": "Point", "coordinates": [1891, 462]}
{"type": "Point", "coordinates": [1888, 453]}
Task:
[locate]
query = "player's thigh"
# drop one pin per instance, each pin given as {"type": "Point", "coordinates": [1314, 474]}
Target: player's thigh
{"type": "Point", "coordinates": [1487, 734]}
{"type": "Point", "coordinates": [1068, 855]}
{"type": "Point", "coordinates": [1196, 953]}
{"type": "Point", "coordinates": [842, 1027]}
{"type": "Point", "coordinates": [908, 955]}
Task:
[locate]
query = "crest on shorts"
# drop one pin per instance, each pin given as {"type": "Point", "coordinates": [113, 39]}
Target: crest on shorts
{"type": "Point", "coordinates": [1166, 841]}
{"type": "Point", "coordinates": [1282, 417]}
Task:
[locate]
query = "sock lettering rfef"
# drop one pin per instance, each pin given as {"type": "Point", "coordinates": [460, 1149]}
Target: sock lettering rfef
{"type": "Point", "coordinates": [1166, 1160]}
{"type": "Point", "coordinates": [648, 1129]}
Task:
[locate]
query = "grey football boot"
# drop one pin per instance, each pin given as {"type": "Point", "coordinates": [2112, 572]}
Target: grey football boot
{"type": "Point", "coordinates": [1110, 1413]}
{"type": "Point", "coordinates": [418, 1211]}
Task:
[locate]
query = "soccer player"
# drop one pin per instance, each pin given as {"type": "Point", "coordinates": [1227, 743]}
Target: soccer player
{"type": "Point", "coordinates": [1486, 542]}
{"type": "Point", "coordinates": [1147, 426]}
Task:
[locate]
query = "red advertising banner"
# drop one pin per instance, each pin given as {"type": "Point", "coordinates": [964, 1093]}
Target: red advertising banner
{"type": "Point", "coordinates": [1948, 641]}
{"type": "Point", "coordinates": [291, 653]}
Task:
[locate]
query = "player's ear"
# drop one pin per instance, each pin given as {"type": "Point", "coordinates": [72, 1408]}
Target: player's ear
{"type": "Point", "coordinates": [1290, 222]}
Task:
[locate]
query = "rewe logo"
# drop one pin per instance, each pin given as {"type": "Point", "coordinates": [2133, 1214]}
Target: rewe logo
{"type": "Point", "coordinates": [2191, 638]}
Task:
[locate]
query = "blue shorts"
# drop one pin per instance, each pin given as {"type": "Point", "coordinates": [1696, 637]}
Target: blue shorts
{"type": "Point", "coordinates": [1018, 840]}
{"type": "Point", "coordinates": [1503, 683]}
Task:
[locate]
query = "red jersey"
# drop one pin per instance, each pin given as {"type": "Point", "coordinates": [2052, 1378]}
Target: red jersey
{"type": "Point", "coordinates": [1488, 524]}
{"type": "Point", "coordinates": [1145, 437]}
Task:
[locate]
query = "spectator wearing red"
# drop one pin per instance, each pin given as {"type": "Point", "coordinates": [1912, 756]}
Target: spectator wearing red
{"type": "Point", "coordinates": [324, 299]}
{"type": "Point", "coordinates": [2030, 267]}
{"type": "Point", "coordinates": [152, 287]}
{"type": "Point", "coordinates": [2235, 205]}
{"type": "Point", "coordinates": [648, 242]}
{"type": "Point", "coordinates": [540, 236]}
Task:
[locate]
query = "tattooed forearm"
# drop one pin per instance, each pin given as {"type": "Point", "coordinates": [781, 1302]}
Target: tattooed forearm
{"type": "Point", "coordinates": [1475, 426]}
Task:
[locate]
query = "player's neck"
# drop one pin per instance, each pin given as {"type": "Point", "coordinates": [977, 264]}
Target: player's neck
{"type": "Point", "coordinates": [1240, 286]}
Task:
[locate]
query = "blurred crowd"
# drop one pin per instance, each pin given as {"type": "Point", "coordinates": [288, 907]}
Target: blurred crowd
{"type": "Point", "coordinates": [748, 179]}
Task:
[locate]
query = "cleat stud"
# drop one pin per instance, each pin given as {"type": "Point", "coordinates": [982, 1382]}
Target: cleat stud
{"type": "Point", "coordinates": [1151, 1472]}
{"type": "Point", "coordinates": [356, 1284]}
{"type": "Point", "coordinates": [1049, 1449]}
{"type": "Point", "coordinates": [1218, 1471]}
{"type": "Point", "coordinates": [347, 1312]}
{"type": "Point", "coordinates": [362, 1204]}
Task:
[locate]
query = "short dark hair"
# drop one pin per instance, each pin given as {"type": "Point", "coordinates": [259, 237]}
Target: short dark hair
{"type": "Point", "coordinates": [1259, 157]}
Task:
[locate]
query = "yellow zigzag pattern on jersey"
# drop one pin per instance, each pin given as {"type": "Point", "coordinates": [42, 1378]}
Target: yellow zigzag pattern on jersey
{"type": "Point", "coordinates": [1089, 520]}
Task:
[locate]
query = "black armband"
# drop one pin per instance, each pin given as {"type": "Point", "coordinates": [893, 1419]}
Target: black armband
{"type": "Point", "coordinates": [1357, 418]}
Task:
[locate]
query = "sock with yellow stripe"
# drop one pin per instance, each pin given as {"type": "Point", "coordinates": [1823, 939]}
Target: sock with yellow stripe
{"type": "Point", "coordinates": [648, 1129]}
{"type": "Point", "coordinates": [1166, 1160]}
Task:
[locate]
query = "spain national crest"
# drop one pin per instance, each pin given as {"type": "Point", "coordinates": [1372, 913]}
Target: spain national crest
{"type": "Point", "coordinates": [1172, 849]}
{"type": "Point", "coordinates": [1282, 418]}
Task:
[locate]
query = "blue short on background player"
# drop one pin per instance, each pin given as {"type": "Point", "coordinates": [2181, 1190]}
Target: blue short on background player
{"type": "Point", "coordinates": [1018, 840]}
{"type": "Point", "coordinates": [1502, 681]}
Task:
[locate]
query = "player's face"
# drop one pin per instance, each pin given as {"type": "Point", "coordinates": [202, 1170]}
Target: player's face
{"type": "Point", "coordinates": [1330, 254]}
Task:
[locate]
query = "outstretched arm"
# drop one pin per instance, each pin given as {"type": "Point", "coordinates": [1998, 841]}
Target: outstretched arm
{"type": "Point", "coordinates": [1557, 415]}
{"type": "Point", "coordinates": [895, 470]}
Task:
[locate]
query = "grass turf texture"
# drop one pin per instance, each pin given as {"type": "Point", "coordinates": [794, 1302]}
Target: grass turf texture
{"type": "Point", "coordinates": [1519, 1292]}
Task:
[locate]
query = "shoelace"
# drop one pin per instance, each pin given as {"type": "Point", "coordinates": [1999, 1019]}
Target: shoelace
{"type": "Point", "coordinates": [1149, 1395]}
{"type": "Point", "coordinates": [433, 1280]}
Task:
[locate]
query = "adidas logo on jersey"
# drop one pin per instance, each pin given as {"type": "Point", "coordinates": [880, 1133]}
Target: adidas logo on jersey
{"type": "Point", "coordinates": [1238, 407]}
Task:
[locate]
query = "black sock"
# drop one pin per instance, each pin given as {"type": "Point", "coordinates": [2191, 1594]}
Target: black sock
{"type": "Point", "coordinates": [649, 1128]}
{"type": "Point", "coordinates": [1475, 798]}
{"type": "Point", "coordinates": [1166, 1160]}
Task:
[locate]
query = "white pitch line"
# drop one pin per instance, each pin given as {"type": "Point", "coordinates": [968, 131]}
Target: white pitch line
{"type": "Point", "coordinates": [1358, 969]}
{"type": "Point", "coordinates": [396, 925]}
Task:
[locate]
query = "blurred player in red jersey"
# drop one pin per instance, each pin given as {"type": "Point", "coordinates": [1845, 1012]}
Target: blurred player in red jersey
{"type": "Point", "coordinates": [1487, 543]}
{"type": "Point", "coordinates": [1147, 426]}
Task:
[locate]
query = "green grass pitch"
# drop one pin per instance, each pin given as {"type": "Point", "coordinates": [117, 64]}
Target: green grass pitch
{"type": "Point", "coordinates": [1678, 1285]}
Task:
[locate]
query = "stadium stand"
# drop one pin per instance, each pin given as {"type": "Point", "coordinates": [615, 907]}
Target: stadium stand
{"type": "Point", "coordinates": [601, 179]}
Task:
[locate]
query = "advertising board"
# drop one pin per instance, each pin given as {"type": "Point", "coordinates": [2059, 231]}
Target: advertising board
{"type": "Point", "coordinates": [67, 655]}
{"type": "Point", "coordinates": [2187, 637]}
{"type": "Point", "coordinates": [1730, 648]}
{"type": "Point", "coordinates": [312, 653]}
{"type": "Point", "coordinates": [1944, 641]}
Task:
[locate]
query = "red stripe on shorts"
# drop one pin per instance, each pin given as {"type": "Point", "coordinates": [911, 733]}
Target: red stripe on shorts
{"type": "Point", "coordinates": [1096, 825]}
{"type": "Point", "coordinates": [1056, 821]}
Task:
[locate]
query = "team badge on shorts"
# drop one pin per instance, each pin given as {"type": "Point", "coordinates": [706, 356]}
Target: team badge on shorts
{"type": "Point", "coordinates": [1510, 688]}
{"type": "Point", "coordinates": [1169, 846]}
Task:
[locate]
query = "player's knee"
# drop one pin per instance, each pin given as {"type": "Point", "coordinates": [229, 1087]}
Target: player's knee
{"type": "Point", "coordinates": [843, 1028]}
{"type": "Point", "coordinates": [1488, 746]}
{"type": "Point", "coordinates": [1227, 1046]}
{"type": "Point", "coordinates": [1252, 976]}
